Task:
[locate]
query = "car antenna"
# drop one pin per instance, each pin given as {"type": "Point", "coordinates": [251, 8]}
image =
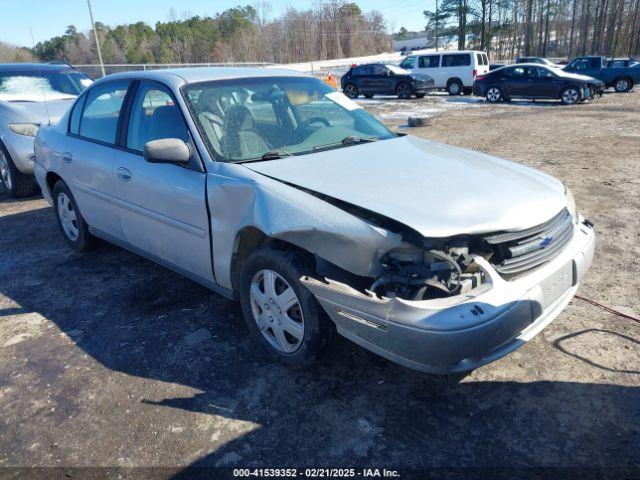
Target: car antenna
{"type": "Point", "coordinates": [44, 93]}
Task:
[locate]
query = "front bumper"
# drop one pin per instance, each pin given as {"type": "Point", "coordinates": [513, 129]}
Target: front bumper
{"type": "Point", "coordinates": [20, 148]}
{"type": "Point", "coordinates": [464, 332]}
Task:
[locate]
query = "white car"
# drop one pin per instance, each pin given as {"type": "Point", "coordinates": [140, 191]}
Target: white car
{"type": "Point", "coordinates": [454, 71]}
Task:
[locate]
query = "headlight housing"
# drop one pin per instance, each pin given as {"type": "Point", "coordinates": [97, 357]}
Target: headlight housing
{"type": "Point", "coordinates": [571, 204]}
{"type": "Point", "coordinates": [27, 129]}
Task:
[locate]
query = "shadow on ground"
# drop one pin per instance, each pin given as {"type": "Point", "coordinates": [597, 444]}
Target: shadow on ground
{"type": "Point", "coordinates": [354, 409]}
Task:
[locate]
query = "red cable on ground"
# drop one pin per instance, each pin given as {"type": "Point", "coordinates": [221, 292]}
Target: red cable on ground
{"type": "Point", "coordinates": [608, 309]}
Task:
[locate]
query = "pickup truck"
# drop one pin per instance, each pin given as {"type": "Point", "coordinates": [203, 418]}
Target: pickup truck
{"type": "Point", "coordinates": [621, 78]}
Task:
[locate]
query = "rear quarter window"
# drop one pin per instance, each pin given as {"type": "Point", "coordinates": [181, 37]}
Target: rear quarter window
{"type": "Point", "coordinates": [456, 60]}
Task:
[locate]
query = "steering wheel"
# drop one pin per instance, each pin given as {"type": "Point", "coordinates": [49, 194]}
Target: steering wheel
{"type": "Point", "coordinates": [313, 120]}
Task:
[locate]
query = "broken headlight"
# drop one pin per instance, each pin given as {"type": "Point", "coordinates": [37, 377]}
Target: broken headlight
{"type": "Point", "coordinates": [417, 273]}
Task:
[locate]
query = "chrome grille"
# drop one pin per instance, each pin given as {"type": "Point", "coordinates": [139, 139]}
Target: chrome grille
{"type": "Point", "coordinates": [518, 252]}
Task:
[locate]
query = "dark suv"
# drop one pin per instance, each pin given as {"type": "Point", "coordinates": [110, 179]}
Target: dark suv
{"type": "Point", "coordinates": [383, 79]}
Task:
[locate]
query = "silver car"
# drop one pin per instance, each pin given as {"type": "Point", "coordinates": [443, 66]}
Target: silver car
{"type": "Point", "coordinates": [269, 187]}
{"type": "Point", "coordinates": [31, 94]}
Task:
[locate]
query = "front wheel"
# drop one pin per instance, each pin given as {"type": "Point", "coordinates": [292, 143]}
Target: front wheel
{"type": "Point", "coordinates": [404, 91]}
{"type": "Point", "coordinates": [351, 91]}
{"type": "Point", "coordinates": [570, 96]}
{"type": "Point", "coordinates": [16, 183]}
{"type": "Point", "coordinates": [493, 95]}
{"type": "Point", "coordinates": [281, 313]}
{"type": "Point", "coordinates": [72, 225]}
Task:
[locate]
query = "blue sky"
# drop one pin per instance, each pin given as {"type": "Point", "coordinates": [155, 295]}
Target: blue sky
{"type": "Point", "coordinates": [49, 18]}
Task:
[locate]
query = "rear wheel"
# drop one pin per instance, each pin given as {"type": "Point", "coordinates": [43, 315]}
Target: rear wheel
{"type": "Point", "coordinates": [493, 94]}
{"type": "Point", "coordinates": [622, 85]}
{"type": "Point", "coordinates": [454, 87]}
{"type": "Point", "coordinates": [16, 183]}
{"type": "Point", "coordinates": [570, 96]}
{"type": "Point", "coordinates": [467, 90]}
{"type": "Point", "coordinates": [280, 312]}
{"type": "Point", "coordinates": [351, 90]}
{"type": "Point", "coordinates": [72, 225]}
{"type": "Point", "coordinates": [404, 91]}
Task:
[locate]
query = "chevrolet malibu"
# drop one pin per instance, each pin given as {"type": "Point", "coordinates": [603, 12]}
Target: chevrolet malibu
{"type": "Point", "coordinates": [269, 187]}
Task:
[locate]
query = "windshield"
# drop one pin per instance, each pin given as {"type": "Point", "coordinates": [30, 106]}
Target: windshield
{"type": "Point", "coordinates": [34, 85]}
{"type": "Point", "coordinates": [265, 118]}
{"type": "Point", "coordinates": [397, 70]}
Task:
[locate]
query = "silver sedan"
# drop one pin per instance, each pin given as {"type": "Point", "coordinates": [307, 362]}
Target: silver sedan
{"type": "Point", "coordinates": [269, 187]}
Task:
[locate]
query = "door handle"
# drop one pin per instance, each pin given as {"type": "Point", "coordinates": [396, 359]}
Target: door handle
{"type": "Point", "coordinates": [67, 157]}
{"type": "Point", "coordinates": [124, 174]}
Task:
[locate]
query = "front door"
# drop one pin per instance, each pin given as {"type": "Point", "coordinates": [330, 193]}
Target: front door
{"type": "Point", "coordinates": [162, 206]}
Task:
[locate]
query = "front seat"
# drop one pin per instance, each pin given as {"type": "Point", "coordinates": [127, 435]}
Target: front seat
{"type": "Point", "coordinates": [240, 140]}
{"type": "Point", "coordinates": [167, 122]}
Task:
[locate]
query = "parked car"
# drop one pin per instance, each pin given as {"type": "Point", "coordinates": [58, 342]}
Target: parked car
{"type": "Point", "coordinates": [30, 95]}
{"type": "Point", "coordinates": [538, 60]}
{"type": "Point", "coordinates": [454, 71]}
{"type": "Point", "coordinates": [270, 187]}
{"type": "Point", "coordinates": [620, 77]}
{"type": "Point", "coordinates": [533, 81]}
{"type": "Point", "coordinates": [382, 79]}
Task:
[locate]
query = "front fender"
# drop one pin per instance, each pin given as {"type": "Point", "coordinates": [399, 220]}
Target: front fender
{"type": "Point", "coordinates": [239, 198]}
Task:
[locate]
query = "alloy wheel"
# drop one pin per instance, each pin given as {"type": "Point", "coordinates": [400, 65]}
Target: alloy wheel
{"type": "Point", "coordinates": [454, 88]}
{"type": "Point", "coordinates": [622, 85]}
{"type": "Point", "coordinates": [493, 94]}
{"type": "Point", "coordinates": [68, 217]}
{"type": "Point", "coordinates": [5, 171]}
{"type": "Point", "coordinates": [570, 96]}
{"type": "Point", "coordinates": [351, 91]}
{"type": "Point", "coordinates": [404, 91]}
{"type": "Point", "coordinates": [276, 310]}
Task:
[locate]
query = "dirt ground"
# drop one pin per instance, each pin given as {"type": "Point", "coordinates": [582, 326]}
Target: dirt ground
{"type": "Point", "coordinates": [108, 360]}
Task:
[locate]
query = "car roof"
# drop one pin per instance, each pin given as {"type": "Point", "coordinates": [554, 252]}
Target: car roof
{"type": "Point", "coordinates": [447, 52]}
{"type": "Point", "coordinates": [201, 74]}
{"type": "Point", "coordinates": [30, 67]}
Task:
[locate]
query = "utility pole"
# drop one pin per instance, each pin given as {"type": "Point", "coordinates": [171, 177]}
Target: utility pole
{"type": "Point", "coordinates": [95, 35]}
{"type": "Point", "coordinates": [436, 25]}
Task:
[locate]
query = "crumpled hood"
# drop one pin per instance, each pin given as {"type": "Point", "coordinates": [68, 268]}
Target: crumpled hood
{"type": "Point", "coordinates": [36, 112]}
{"type": "Point", "coordinates": [435, 189]}
{"type": "Point", "coordinates": [576, 76]}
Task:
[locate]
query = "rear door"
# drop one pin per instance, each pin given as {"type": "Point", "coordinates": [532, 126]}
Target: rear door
{"type": "Point", "coordinates": [90, 152]}
{"type": "Point", "coordinates": [482, 63]}
{"type": "Point", "coordinates": [458, 65]}
{"type": "Point", "coordinates": [162, 206]}
{"type": "Point", "coordinates": [514, 82]}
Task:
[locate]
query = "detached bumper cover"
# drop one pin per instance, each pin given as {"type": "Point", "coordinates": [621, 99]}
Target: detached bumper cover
{"type": "Point", "coordinates": [461, 333]}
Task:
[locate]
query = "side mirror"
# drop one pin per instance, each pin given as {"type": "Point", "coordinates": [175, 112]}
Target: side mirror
{"type": "Point", "coordinates": [166, 150]}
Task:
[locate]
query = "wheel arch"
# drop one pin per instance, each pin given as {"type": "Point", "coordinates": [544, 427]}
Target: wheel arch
{"type": "Point", "coordinates": [51, 179]}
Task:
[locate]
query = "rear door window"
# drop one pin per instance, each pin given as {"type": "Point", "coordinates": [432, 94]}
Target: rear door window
{"type": "Point", "coordinates": [102, 110]}
{"type": "Point", "coordinates": [515, 72]}
{"type": "Point", "coordinates": [456, 60]}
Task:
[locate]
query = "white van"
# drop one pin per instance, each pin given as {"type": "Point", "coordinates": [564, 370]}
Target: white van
{"type": "Point", "coordinates": [454, 71]}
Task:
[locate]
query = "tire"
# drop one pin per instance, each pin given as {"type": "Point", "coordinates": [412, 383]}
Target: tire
{"type": "Point", "coordinates": [420, 95]}
{"type": "Point", "coordinates": [368, 95]}
{"type": "Point", "coordinates": [493, 94]}
{"type": "Point", "coordinates": [622, 85]}
{"type": "Point", "coordinates": [570, 96]}
{"type": "Point", "coordinates": [351, 90]}
{"type": "Point", "coordinates": [404, 91]}
{"type": "Point", "coordinates": [467, 90]}
{"type": "Point", "coordinates": [68, 216]}
{"type": "Point", "coordinates": [454, 87]}
{"type": "Point", "coordinates": [16, 183]}
{"type": "Point", "coordinates": [309, 330]}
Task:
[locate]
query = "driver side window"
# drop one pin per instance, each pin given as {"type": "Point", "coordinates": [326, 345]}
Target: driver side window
{"type": "Point", "coordinates": [154, 115]}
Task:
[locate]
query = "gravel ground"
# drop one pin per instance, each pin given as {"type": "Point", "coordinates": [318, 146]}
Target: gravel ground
{"type": "Point", "coordinates": [108, 360]}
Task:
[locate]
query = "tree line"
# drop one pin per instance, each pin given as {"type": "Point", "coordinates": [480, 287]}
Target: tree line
{"type": "Point", "coordinates": [330, 29]}
{"type": "Point", "coordinates": [554, 28]}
